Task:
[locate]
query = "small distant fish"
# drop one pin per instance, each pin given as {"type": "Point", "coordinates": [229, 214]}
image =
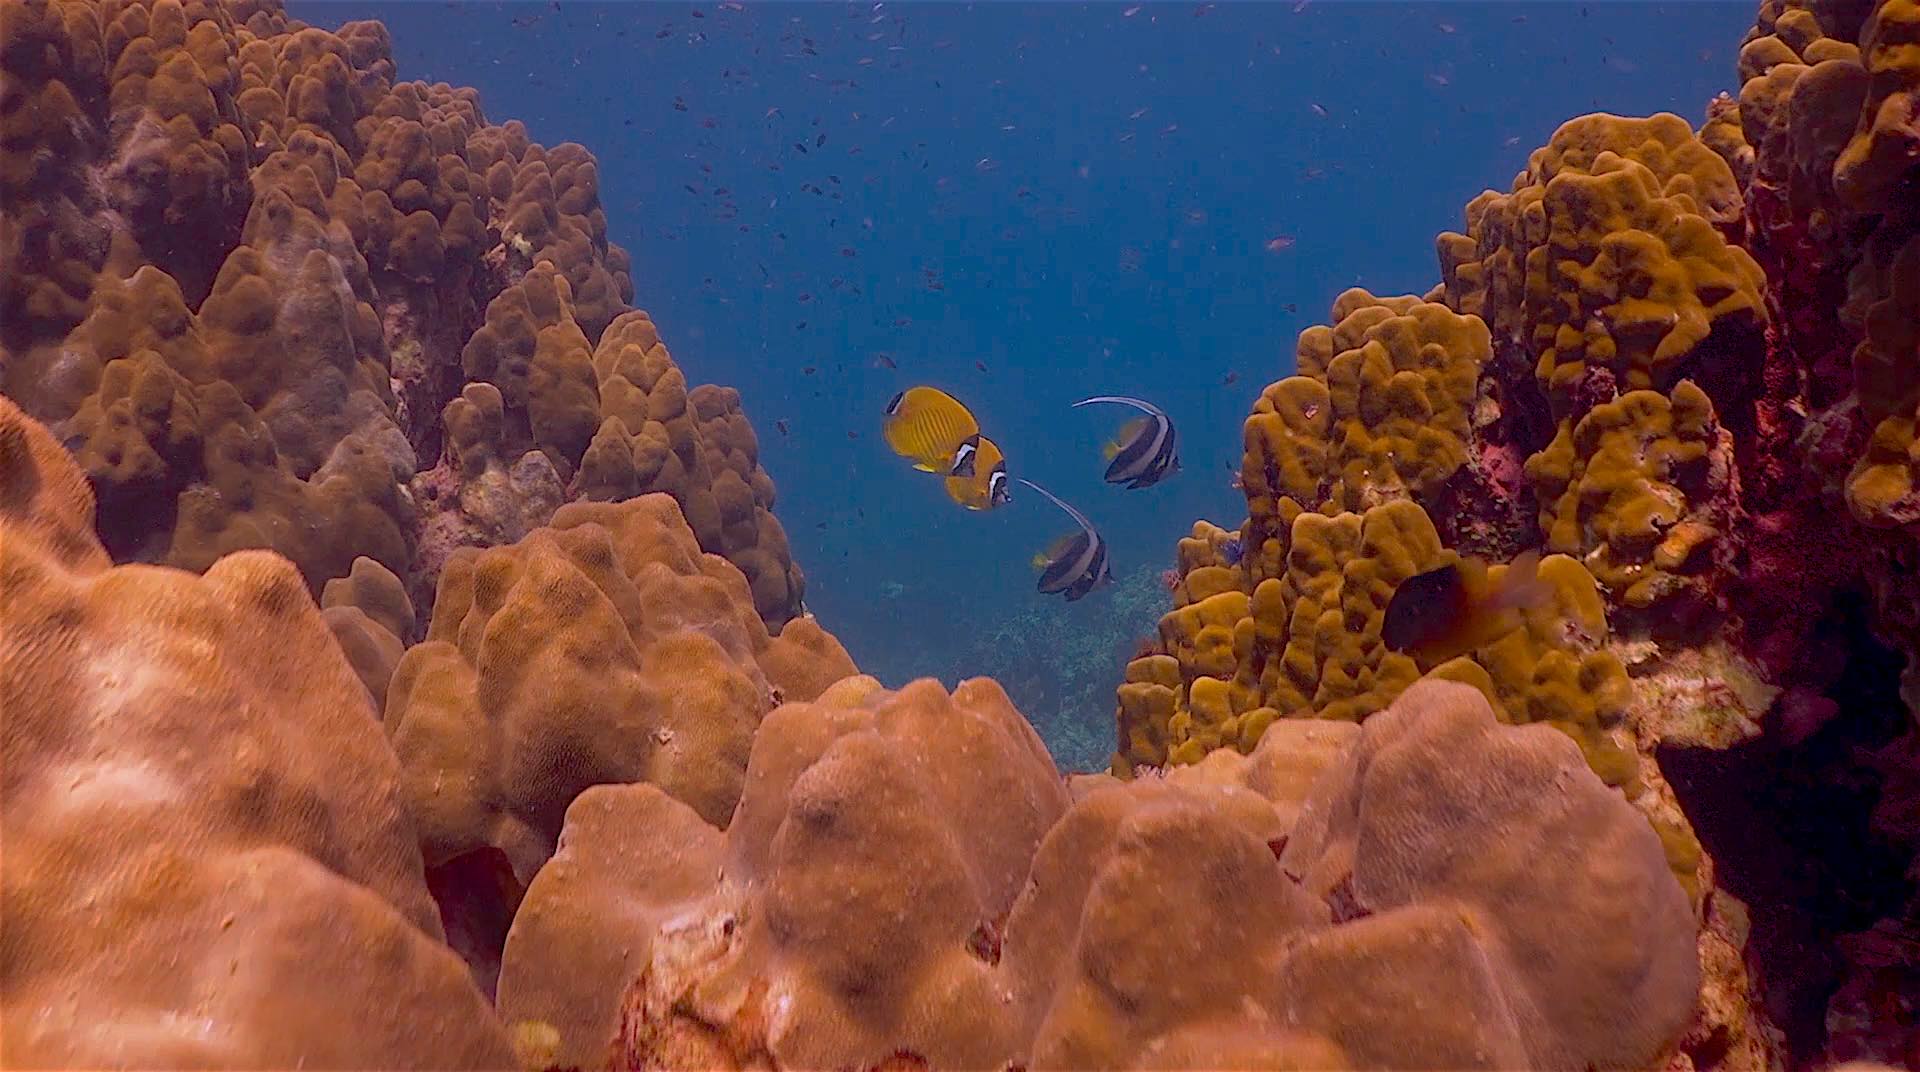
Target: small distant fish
{"type": "Point", "coordinates": [1280, 243]}
{"type": "Point", "coordinates": [883, 361]}
{"type": "Point", "coordinates": [928, 426]}
{"type": "Point", "coordinates": [1137, 113]}
{"type": "Point", "coordinates": [784, 428]}
{"type": "Point", "coordinates": [1130, 12]}
{"type": "Point", "coordinates": [664, 34]}
{"type": "Point", "coordinates": [1233, 376]}
{"type": "Point", "coordinates": [1077, 563]}
{"type": "Point", "coordinates": [821, 140]}
{"type": "Point", "coordinates": [977, 479]}
{"type": "Point", "coordinates": [1446, 27]}
{"type": "Point", "coordinates": [1319, 109]}
{"type": "Point", "coordinates": [1458, 607]}
{"type": "Point", "coordinates": [981, 365]}
{"type": "Point", "coordinates": [800, 145]}
{"type": "Point", "coordinates": [985, 163]}
{"type": "Point", "coordinates": [1439, 79]}
{"type": "Point", "coordinates": [1144, 452]}
{"type": "Point", "coordinates": [1511, 142]}
{"type": "Point", "coordinates": [1169, 128]}
{"type": "Point", "coordinates": [809, 370]}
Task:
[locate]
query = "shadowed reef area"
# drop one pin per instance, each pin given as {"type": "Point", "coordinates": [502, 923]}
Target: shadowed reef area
{"type": "Point", "coordinates": [403, 664]}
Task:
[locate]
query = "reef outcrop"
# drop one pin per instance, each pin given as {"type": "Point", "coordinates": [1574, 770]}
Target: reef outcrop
{"type": "Point", "coordinates": [209, 857]}
{"type": "Point", "coordinates": [1682, 366]}
{"type": "Point", "coordinates": [403, 664]}
{"type": "Point", "coordinates": [272, 297]}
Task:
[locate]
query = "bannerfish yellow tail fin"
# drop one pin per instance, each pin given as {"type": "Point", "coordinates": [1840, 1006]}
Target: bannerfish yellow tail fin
{"type": "Point", "coordinates": [1040, 561]}
{"type": "Point", "coordinates": [1110, 451]}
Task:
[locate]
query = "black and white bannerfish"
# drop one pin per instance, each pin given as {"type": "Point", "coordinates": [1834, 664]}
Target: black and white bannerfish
{"type": "Point", "coordinates": [1143, 452]}
{"type": "Point", "coordinates": [1076, 563]}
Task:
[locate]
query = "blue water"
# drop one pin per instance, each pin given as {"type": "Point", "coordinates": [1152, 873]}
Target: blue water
{"type": "Point", "coordinates": [993, 150]}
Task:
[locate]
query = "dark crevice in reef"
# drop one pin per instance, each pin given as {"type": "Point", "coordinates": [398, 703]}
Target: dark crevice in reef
{"type": "Point", "coordinates": [1789, 828]}
{"type": "Point", "coordinates": [478, 896]}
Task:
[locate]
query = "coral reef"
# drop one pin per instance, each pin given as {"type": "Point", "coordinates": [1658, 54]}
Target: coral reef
{"type": "Point", "coordinates": [404, 665]}
{"type": "Point", "coordinates": [207, 842]}
{"type": "Point", "coordinates": [1683, 367]}
{"type": "Point", "coordinates": [906, 880]}
{"type": "Point", "coordinates": [603, 648]}
{"type": "Point", "coordinates": [260, 288]}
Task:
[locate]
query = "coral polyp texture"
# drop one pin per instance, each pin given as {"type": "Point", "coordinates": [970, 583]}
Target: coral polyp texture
{"type": "Point", "coordinates": [1680, 366]}
{"type": "Point", "coordinates": [403, 664]}
{"type": "Point", "coordinates": [248, 272]}
{"type": "Point", "coordinates": [906, 883]}
{"type": "Point", "coordinates": [605, 647]}
{"type": "Point", "coordinates": [207, 839]}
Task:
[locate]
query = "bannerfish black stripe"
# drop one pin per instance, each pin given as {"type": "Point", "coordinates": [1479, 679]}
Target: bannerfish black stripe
{"type": "Point", "coordinates": [1063, 571]}
{"type": "Point", "coordinates": [1145, 456]}
{"type": "Point", "coordinates": [1150, 454]}
{"type": "Point", "coordinates": [1095, 574]}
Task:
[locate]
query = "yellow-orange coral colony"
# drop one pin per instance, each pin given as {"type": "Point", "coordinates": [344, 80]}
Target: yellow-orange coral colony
{"type": "Point", "coordinates": [273, 190]}
{"type": "Point", "coordinates": [1607, 260]}
{"type": "Point", "coordinates": [1833, 124]}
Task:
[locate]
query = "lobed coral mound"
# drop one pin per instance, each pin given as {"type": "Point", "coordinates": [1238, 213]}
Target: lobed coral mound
{"type": "Point", "coordinates": [603, 648]}
{"type": "Point", "coordinates": [558, 773]}
{"type": "Point", "coordinates": [906, 883]}
{"type": "Point", "coordinates": [273, 298]}
{"type": "Point", "coordinates": [207, 847]}
{"type": "Point", "coordinates": [1681, 366]}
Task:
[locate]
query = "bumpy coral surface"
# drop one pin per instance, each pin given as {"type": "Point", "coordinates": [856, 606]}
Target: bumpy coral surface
{"type": "Point", "coordinates": [306, 330]}
{"type": "Point", "coordinates": [1697, 397]}
{"type": "Point", "coordinates": [887, 896]}
{"type": "Point", "coordinates": [207, 845]}
{"type": "Point", "coordinates": [261, 288]}
{"type": "Point", "coordinates": [604, 648]}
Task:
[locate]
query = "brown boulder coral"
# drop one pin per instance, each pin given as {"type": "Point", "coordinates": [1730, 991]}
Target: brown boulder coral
{"type": "Point", "coordinates": [190, 186]}
{"type": "Point", "coordinates": [852, 910]}
{"type": "Point", "coordinates": [207, 845]}
{"type": "Point", "coordinates": [1151, 923]}
{"type": "Point", "coordinates": [605, 648]}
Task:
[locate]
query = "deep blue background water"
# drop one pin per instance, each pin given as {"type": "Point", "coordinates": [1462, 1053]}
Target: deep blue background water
{"type": "Point", "coordinates": [1092, 193]}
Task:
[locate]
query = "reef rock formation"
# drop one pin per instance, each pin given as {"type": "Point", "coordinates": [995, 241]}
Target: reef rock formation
{"type": "Point", "coordinates": [559, 735]}
{"type": "Point", "coordinates": [1683, 366]}
{"type": "Point", "coordinates": [272, 298]}
{"type": "Point", "coordinates": [207, 844]}
{"type": "Point", "coordinates": [906, 884]}
{"type": "Point", "coordinates": [604, 648]}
